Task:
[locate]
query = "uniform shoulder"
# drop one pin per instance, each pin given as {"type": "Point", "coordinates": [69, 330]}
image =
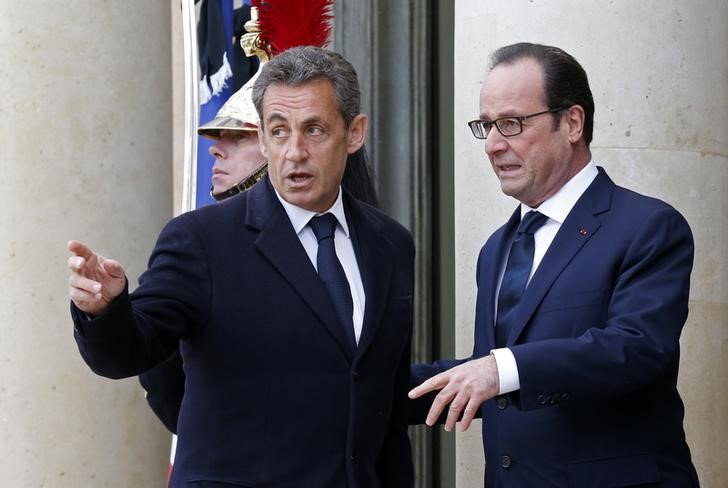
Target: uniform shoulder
{"type": "Point", "coordinates": [216, 214]}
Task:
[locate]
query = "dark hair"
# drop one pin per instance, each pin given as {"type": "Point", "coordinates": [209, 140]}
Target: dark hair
{"type": "Point", "coordinates": [357, 179]}
{"type": "Point", "coordinates": [303, 64]}
{"type": "Point", "coordinates": [565, 81]}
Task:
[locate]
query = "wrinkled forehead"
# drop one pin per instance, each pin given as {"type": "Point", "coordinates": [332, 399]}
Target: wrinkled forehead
{"type": "Point", "coordinates": [312, 99]}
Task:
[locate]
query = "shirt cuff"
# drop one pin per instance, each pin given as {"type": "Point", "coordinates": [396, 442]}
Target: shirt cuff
{"type": "Point", "coordinates": [507, 370]}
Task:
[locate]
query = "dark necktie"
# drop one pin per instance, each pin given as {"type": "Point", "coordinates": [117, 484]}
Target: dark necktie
{"type": "Point", "coordinates": [520, 261]}
{"type": "Point", "coordinates": [332, 273]}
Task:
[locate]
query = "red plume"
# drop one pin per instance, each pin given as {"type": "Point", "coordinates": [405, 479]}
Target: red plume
{"type": "Point", "coordinates": [289, 23]}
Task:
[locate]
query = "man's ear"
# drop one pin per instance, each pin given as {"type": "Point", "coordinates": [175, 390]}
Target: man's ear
{"type": "Point", "coordinates": [575, 120]}
{"type": "Point", "coordinates": [357, 134]}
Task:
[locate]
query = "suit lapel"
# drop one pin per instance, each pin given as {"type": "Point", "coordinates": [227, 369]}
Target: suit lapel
{"type": "Point", "coordinates": [373, 255]}
{"type": "Point", "coordinates": [580, 225]}
{"type": "Point", "coordinates": [282, 248]}
{"type": "Point", "coordinates": [488, 276]}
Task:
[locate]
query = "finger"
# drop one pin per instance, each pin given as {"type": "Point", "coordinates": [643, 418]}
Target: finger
{"type": "Point", "coordinates": [85, 285]}
{"type": "Point", "coordinates": [76, 264]}
{"type": "Point", "coordinates": [437, 382]}
{"type": "Point", "coordinates": [438, 405]}
{"type": "Point", "coordinates": [456, 408]}
{"type": "Point", "coordinates": [80, 249]}
{"type": "Point", "coordinates": [113, 268]}
{"type": "Point", "coordinates": [469, 415]}
{"type": "Point", "coordinates": [83, 298]}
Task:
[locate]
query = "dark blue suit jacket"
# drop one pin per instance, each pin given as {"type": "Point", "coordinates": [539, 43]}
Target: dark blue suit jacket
{"type": "Point", "coordinates": [273, 395]}
{"type": "Point", "coordinates": [596, 342]}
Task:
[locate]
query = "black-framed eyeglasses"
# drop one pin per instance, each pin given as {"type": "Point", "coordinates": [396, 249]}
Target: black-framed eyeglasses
{"type": "Point", "coordinates": [509, 126]}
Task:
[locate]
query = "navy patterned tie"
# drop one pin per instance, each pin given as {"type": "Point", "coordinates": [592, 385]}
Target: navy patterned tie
{"type": "Point", "coordinates": [520, 261]}
{"type": "Point", "coordinates": [332, 273]}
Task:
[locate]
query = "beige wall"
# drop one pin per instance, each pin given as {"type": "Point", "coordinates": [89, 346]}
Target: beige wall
{"type": "Point", "coordinates": [658, 71]}
{"type": "Point", "coordinates": [86, 153]}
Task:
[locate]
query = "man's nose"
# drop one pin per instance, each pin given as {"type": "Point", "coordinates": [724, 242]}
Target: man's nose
{"type": "Point", "coordinates": [216, 151]}
{"type": "Point", "coordinates": [495, 142]}
{"type": "Point", "coordinates": [296, 150]}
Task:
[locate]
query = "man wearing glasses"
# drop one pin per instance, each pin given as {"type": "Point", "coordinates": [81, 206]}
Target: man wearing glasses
{"type": "Point", "coordinates": [582, 296]}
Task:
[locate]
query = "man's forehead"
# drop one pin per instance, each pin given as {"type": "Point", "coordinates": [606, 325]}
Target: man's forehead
{"type": "Point", "coordinates": [314, 98]}
{"type": "Point", "coordinates": [512, 86]}
{"type": "Point", "coordinates": [281, 92]}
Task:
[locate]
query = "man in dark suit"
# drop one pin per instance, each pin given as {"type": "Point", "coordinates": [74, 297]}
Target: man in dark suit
{"type": "Point", "coordinates": [579, 307]}
{"type": "Point", "coordinates": [239, 165]}
{"type": "Point", "coordinates": [282, 387]}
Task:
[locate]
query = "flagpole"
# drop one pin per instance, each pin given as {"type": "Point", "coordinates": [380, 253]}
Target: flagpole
{"type": "Point", "coordinates": [191, 122]}
{"type": "Point", "coordinates": [192, 107]}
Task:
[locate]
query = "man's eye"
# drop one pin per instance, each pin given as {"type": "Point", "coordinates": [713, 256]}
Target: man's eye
{"type": "Point", "coordinates": [315, 130]}
{"type": "Point", "coordinates": [508, 125]}
{"type": "Point", "coordinates": [278, 132]}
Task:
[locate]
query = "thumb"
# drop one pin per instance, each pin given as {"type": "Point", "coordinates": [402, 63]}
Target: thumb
{"type": "Point", "coordinates": [113, 268]}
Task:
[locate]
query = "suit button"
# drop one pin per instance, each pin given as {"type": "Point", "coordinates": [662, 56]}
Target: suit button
{"type": "Point", "coordinates": [501, 403]}
{"type": "Point", "coordinates": [355, 375]}
{"type": "Point", "coordinates": [549, 399]}
{"type": "Point", "coordinates": [505, 462]}
{"type": "Point", "coordinates": [541, 399]}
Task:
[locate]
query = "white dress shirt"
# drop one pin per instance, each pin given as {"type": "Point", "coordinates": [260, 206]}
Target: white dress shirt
{"type": "Point", "coordinates": [556, 208]}
{"type": "Point", "coordinates": [300, 218]}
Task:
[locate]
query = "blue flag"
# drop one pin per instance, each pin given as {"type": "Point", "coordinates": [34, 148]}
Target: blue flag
{"type": "Point", "coordinates": [215, 41]}
{"type": "Point", "coordinates": [224, 68]}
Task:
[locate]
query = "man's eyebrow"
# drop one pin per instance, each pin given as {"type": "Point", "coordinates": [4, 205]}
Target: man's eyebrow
{"type": "Point", "coordinates": [314, 119]}
{"type": "Point", "coordinates": [505, 113]}
{"type": "Point", "coordinates": [275, 116]}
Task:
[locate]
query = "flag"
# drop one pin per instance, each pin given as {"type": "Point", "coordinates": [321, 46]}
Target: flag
{"type": "Point", "coordinates": [215, 43]}
{"type": "Point", "coordinates": [224, 69]}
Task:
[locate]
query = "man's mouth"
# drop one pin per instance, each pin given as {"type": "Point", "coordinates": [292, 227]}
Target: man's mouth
{"type": "Point", "coordinates": [299, 179]}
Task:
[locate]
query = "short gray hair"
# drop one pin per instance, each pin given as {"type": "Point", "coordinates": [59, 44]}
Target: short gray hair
{"type": "Point", "coordinates": [304, 64]}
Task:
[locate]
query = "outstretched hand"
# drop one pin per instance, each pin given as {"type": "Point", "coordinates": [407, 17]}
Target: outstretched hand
{"type": "Point", "coordinates": [95, 281]}
{"type": "Point", "coordinates": [464, 387]}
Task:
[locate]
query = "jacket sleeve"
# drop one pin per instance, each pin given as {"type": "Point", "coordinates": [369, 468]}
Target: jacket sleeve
{"type": "Point", "coordinates": [142, 329]}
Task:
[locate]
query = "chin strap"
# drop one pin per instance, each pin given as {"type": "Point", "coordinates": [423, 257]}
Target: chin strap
{"type": "Point", "coordinates": [247, 183]}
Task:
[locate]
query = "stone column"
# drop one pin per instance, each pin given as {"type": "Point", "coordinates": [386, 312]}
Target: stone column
{"type": "Point", "coordinates": [658, 72]}
{"type": "Point", "coordinates": [85, 118]}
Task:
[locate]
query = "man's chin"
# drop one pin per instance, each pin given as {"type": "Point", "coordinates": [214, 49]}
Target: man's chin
{"type": "Point", "coordinates": [508, 187]}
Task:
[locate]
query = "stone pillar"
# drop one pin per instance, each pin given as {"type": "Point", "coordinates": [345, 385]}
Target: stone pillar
{"type": "Point", "coordinates": [86, 151]}
{"type": "Point", "coordinates": [658, 72]}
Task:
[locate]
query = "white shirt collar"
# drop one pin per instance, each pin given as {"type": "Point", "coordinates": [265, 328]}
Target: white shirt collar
{"type": "Point", "coordinates": [300, 217]}
{"type": "Point", "coordinates": [558, 206]}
